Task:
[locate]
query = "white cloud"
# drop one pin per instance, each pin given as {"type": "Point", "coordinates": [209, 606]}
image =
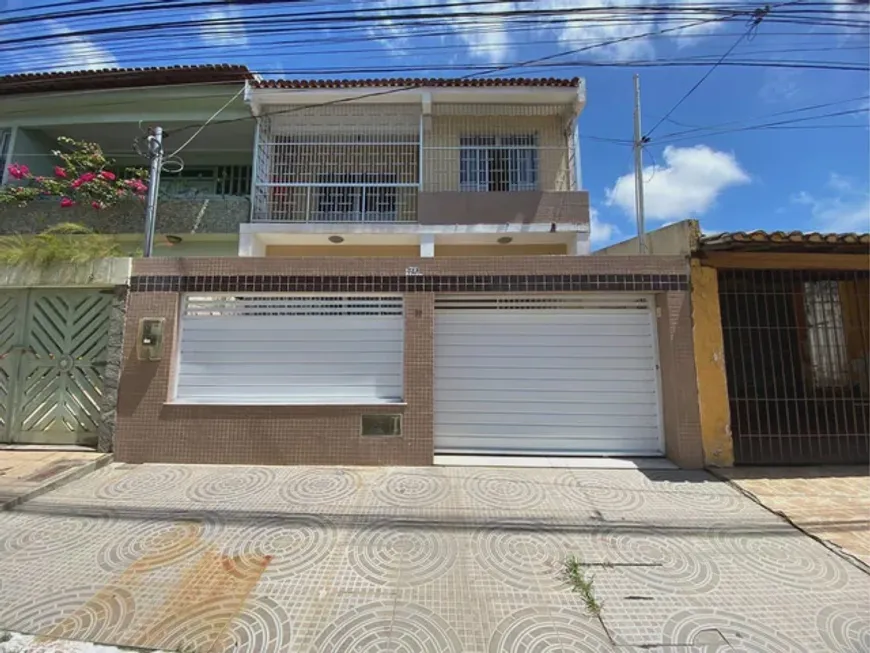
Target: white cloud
{"type": "Point", "coordinates": [66, 52]}
{"type": "Point", "coordinates": [216, 31]}
{"type": "Point", "coordinates": [494, 38]}
{"type": "Point", "coordinates": [846, 208]}
{"type": "Point", "coordinates": [602, 233]}
{"type": "Point", "coordinates": [686, 185]}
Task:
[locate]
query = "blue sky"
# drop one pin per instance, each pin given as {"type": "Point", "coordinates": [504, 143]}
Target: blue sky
{"type": "Point", "coordinates": [702, 162]}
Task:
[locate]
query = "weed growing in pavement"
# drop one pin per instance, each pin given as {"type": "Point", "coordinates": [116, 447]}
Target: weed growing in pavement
{"type": "Point", "coordinates": [575, 574]}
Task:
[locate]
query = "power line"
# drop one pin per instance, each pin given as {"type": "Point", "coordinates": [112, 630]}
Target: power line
{"type": "Point", "coordinates": [756, 21]}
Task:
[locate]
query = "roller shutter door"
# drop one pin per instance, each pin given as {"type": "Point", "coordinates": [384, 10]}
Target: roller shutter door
{"type": "Point", "coordinates": [290, 349]}
{"type": "Point", "coordinates": [546, 375]}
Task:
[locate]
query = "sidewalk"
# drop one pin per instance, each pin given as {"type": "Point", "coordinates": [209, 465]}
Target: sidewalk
{"type": "Point", "coordinates": [831, 503]}
{"type": "Point", "coordinates": [29, 473]}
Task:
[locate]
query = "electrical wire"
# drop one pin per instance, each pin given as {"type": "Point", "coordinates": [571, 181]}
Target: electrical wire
{"type": "Point", "coordinates": [205, 124]}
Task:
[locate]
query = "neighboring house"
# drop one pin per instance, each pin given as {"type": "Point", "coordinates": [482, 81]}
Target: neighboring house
{"type": "Point", "coordinates": [201, 206]}
{"type": "Point", "coordinates": [61, 329]}
{"type": "Point", "coordinates": [414, 281]}
{"type": "Point", "coordinates": [790, 315]}
{"type": "Point", "coordinates": [781, 335]}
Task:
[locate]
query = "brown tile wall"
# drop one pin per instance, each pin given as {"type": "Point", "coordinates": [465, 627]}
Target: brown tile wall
{"type": "Point", "coordinates": [151, 429]}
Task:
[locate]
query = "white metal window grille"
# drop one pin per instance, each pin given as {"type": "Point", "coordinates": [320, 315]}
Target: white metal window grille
{"type": "Point", "coordinates": [499, 148]}
{"type": "Point", "coordinates": [825, 333]}
{"type": "Point", "coordinates": [498, 163]}
{"type": "Point", "coordinates": [277, 348]}
{"type": "Point", "coordinates": [458, 147]}
{"type": "Point", "coordinates": [355, 198]}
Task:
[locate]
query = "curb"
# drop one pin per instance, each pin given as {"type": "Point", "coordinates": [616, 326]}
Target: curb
{"type": "Point", "coordinates": [830, 546]}
{"type": "Point", "coordinates": [60, 480]}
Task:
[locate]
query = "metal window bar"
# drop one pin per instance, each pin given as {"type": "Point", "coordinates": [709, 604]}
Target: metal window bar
{"type": "Point", "coordinates": [5, 137]}
{"type": "Point", "coordinates": [460, 147]}
{"type": "Point", "coordinates": [796, 355]}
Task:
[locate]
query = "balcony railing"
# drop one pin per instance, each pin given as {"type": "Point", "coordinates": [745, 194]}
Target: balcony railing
{"type": "Point", "coordinates": [364, 163]}
{"type": "Point", "coordinates": [340, 202]}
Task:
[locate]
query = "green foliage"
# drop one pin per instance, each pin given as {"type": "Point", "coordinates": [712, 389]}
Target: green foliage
{"type": "Point", "coordinates": [575, 574]}
{"type": "Point", "coordinates": [63, 243]}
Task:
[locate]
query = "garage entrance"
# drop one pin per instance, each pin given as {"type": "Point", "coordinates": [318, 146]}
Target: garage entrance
{"type": "Point", "coordinates": [547, 375]}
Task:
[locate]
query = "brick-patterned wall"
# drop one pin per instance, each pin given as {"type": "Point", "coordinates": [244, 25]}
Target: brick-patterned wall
{"type": "Point", "coordinates": [152, 429]}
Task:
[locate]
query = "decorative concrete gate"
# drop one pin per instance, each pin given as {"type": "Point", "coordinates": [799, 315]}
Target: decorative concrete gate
{"type": "Point", "coordinates": [53, 353]}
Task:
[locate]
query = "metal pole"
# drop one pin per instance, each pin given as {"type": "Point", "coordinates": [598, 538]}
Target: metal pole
{"type": "Point", "coordinates": [155, 152]}
{"type": "Point", "coordinates": [638, 171]}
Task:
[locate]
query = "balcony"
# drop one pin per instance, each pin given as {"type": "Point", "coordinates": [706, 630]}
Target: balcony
{"type": "Point", "coordinates": [462, 164]}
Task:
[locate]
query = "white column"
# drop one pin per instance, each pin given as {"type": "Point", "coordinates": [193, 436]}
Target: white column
{"type": "Point", "coordinates": [427, 245]}
{"type": "Point", "coordinates": [579, 244]}
{"type": "Point", "coordinates": [250, 245]}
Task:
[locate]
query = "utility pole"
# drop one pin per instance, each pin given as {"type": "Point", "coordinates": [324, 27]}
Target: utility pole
{"type": "Point", "coordinates": [639, 142]}
{"type": "Point", "coordinates": [155, 154]}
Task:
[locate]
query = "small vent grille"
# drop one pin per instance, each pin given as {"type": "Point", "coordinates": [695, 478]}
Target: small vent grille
{"type": "Point", "coordinates": [382, 424]}
{"type": "Point", "coordinates": [543, 302]}
{"type": "Point", "coordinates": [254, 305]}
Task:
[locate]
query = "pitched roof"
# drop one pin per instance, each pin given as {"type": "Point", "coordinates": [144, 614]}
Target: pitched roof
{"type": "Point", "coordinates": [415, 82]}
{"type": "Point", "coordinates": [113, 78]}
{"type": "Point", "coordinates": [781, 241]}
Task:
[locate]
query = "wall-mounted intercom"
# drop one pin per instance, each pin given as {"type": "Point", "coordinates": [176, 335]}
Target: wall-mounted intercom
{"type": "Point", "coordinates": [149, 346]}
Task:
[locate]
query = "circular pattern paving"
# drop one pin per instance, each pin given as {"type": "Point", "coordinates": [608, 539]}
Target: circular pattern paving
{"type": "Point", "coordinates": [294, 543]}
{"type": "Point", "coordinates": [37, 535]}
{"type": "Point", "coordinates": [319, 486]}
{"type": "Point", "coordinates": [230, 484]}
{"type": "Point", "coordinates": [503, 492]}
{"type": "Point", "coordinates": [143, 482]}
{"type": "Point", "coordinates": [845, 627]}
{"type": "Point", "coordinates": [150, 545]}
{"type": "Point", "coordinates": [695, 626]}
{"type": "Point", "coordinates": [789, 559]}
{"type": "Point", "coordinates": [411, 490]}
{"type": "Point", "coordinates": [593, 494]}
{"type": "Point", "coordinates": [661, 561]}
{"type": "Point", "coordinates": [386, 549]}
{"type": "Point", "coordinates": [383, 627]}
{"type": "Point", "coordinates": [218, 625]}
{"type": "Point", "coordinates": [712, 501]}
{"type": "Point", "coordinates": [526, 556]}
{"type": "Point", "coordinates": [548, 630]}
{"type": "Point", "coordinates": [90, 613]}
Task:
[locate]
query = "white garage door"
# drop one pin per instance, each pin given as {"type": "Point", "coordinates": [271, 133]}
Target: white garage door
{"type": "Point", "coordinates": [290, 349]}
{"type": "Point", "coordinates": [558, 375]}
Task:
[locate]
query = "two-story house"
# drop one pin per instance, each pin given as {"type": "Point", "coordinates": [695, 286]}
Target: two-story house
{"type": "Point", "coordinates": [60, 328]}
{"type": "Point", "coordinates": [413, 284]}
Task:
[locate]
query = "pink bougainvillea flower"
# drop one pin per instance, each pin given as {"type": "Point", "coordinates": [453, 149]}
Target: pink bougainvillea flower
{"type": "Point", "coordinates": [98, 205]}
{"type": "Point", "coordinates": [66, 202]}
{"type": "Point", "coordinates": [108, 176]}
{"type": "Point", "coordinates": [17, 171]}
{"type": "Point", "coordinates": [59, 172]}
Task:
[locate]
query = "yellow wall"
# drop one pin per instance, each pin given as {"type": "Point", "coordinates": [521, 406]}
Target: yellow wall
{"type": "Point", "coordinates": [500, 250]}
{"type": "Point", "coordinates": [710, 367]}
{"type": "Point", "coordinates": [343, 250]}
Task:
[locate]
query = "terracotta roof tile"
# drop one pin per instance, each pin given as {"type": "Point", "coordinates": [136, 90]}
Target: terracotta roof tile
{"type": "Point", "coordinates": [415, 82]}
{"type": "Point", "coordinates": [113, 78]}
{"type": "Point", "coordinates": [785, 241]}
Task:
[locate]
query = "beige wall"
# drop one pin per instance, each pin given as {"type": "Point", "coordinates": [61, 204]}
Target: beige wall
{"type": "Point", "coordinates": [500, 250]}
{"type": "Point", "coordinates": [342, 250]}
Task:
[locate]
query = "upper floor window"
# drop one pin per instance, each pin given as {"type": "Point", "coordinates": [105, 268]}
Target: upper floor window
{"type": "Point", "coordinates": [196, 181]}
{"type": "Point", "coordinates": [498, 163]}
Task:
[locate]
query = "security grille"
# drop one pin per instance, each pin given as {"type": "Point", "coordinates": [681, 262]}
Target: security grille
{"type": "Point", "coordinates": [369, 162]}
{"type": "Point", "coordinates": [796, 353]}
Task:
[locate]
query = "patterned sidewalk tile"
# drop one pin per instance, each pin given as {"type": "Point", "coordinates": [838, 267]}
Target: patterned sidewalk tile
{"type": "Point", "coordinates": [248, 560]}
